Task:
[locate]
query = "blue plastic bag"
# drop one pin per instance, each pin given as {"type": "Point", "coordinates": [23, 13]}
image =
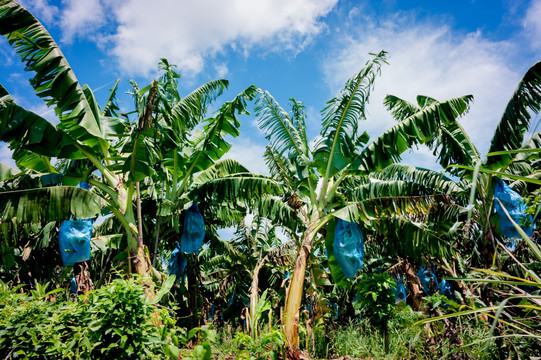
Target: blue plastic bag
{"type": "Point", "coordinates": [400, 291]}
{"type": "Point", "coordinates": [515, 206]}
{"type": "Point", "coordinates": [429, 281]}
{"type": "Point", "coordinates": [348, 247]}
{"type": "Point", "coordinates": [177, 263]}
{"type": "Point", "coordinates": [74, 238]}
{"type": "Point", "coordinates": [73, 285]}
{"type": "Point", "coordinates": [74, 241]}
{"type": "Point", "coordinates": [334, 312]}
{"type": "Point", "coordinates": [193, 232]}
{"type": "Point", "coordinates": [446, 288]}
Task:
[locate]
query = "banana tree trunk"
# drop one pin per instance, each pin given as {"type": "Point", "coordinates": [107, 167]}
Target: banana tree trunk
{"type": "Point", "coordinates": [82, 277]}
{"type": "Point", "coordinates": [415, 286]}
{"type": "Point", "coordinates": [254, 293]}
{"type": "Point", "coordinates": [290, 320]}
{"type": "Point", "coordinates": [140, 263]}
{"type": "Point", "coordinates": [294, 294]}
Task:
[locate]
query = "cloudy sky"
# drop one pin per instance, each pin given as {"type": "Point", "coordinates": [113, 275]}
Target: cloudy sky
{"type": "Point", "coordinates": [297, 48]}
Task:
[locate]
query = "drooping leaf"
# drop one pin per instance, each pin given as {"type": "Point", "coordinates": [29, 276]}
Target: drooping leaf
{"type": "Point", "coordinates": [416, 129]}
{"type": "Point", "coordinates": [54, 80]}
{"type": "Point", "coordinates": [515, 121]}
{"type": "Point", "coordinates": [430, 180]}
{"type": "Point", "coordinates": [50, 204]}
{"type": "Point", "coordinates": [210, 144]}
{"type": "Point", "coordinates": [28, 132]}
{"type": "Point", "coordinates": [7, 172]}
{"type": "Point", "coordinates": [189, 111]}
{"type": "Point", "coordinates": [399, 108]}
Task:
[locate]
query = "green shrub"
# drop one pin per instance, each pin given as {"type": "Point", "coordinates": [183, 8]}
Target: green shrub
{"type": "Point", "coordinates": [267, 345]}
{"type": "Point", "coordinates": [376, 301]}
{"type": "Point", "coordinates": [115, 322]}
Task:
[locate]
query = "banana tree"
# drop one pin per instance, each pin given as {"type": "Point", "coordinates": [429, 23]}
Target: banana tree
{"type": "Point", "coordinates": [511, 156]}
{"type": "Point", "coordinates": [315, 176]}
{"type": "Point", "coordinates": [90, 136]}
{"type": "Point", "coordinates": [83, 133]}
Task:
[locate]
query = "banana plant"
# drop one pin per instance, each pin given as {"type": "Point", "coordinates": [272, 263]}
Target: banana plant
{"type": "Point", "coordinates": [124, 153]}
{"type": "Point", "coordinates": [83, 132]}
{"type": "Point", "coordinates": [232, 268]}
{"type": "Point", "coordinates": [517, 315]}
{"type": "Point", "coordinates": [316, 176]}
{"type": "Point", "coordinates": [511, 156]}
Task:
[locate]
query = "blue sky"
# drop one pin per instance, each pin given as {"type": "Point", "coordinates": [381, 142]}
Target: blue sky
{"type": "Point", "coordinates": [297, 48]}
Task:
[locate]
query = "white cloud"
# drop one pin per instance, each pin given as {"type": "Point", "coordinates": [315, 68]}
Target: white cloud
{"type": "Point", "coordinates": [532, 24]}
{"type": "Point", "coordinates": [189, 32]}
{"type": "Point", "coordinates": [81, 19]}
{"type": "Point", "coordinates": [221, 70]}
{"type": "Point", "coordinates": [427, 59]}
{"type": "Point", "coordinates": [41, 9]}
{"type": "Point", "coordinates": [249, 154]}
{"type": "Point", "coordinates": [5, 155]}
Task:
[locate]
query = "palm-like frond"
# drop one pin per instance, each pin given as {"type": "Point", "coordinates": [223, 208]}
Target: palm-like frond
{"type": "Point", "coordinates": [515, 121]}
{"type": "Point", "coordinates": [221, 168]}
{"type": "Point", "coordinates": [189, 111]}
{"type": "Point", "coordinates": [429, 179]}
{"type": "Point", "coordinates": [416, 129]}
{"type": "Point", "coordinates": [54, 80]}
{"type": "Point", "coordinates": [341, 117]}
{"type": "Point", "coordinates": [278, 212]}
{"type": "Point", "coordinates": [284, 133]}
{"type": "Point", "coordinates": [377, 209]}
{"type": "Point", "coordinates": [526, 161]}
{"type": "Point", "coordinates": [236, 188]}
{"type": "Point", "coordinates": [345, 110]}
{"type": "Point", "coordinates": [210, 144]}
{"type": "Point", "coordinates": [29, 132]}
{"type": "Point", "coordinates": [111, 105]}
{"type": "Point", "coordinates": [382, 188]}
{"type": "Point", "coordinates": [50, 204]}
{"type": "Point", "coordinates": [222, 214]}
{"type": "Point", "coordinates": [399, 108]}
{"type": "Point", "coordinates": [415, 239]}
{"type": "Point", "coordinates": [453, 146]}
{"type": "Point", "coordinates": [279, 166]}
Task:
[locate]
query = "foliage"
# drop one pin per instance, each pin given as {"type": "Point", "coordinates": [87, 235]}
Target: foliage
{"type": "Point", "coordinates": [117, 321]}
{"type": "Point", "coordinates": [204, 338]}
{"type": "Point", "coordinates": [320, 178]}
{"type": "Point", "coordinates": [358, 339]}
{"type": "Point", "coordinates": [268, 345]}
{"type": "Point", "coordinates": [153, 158]}
{"type": "Point", "coordinates": [517, 315]}
{"type": "Point", "coordinates": [376, 298]}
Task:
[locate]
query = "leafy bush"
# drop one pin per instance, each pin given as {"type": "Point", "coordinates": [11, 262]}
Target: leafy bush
{"type": "Point", "coordinates": [115, 322]}
{"type": "Point", "coordinates": [376, 301]}
{"type": "Point", "coordinates": [268, 345]}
